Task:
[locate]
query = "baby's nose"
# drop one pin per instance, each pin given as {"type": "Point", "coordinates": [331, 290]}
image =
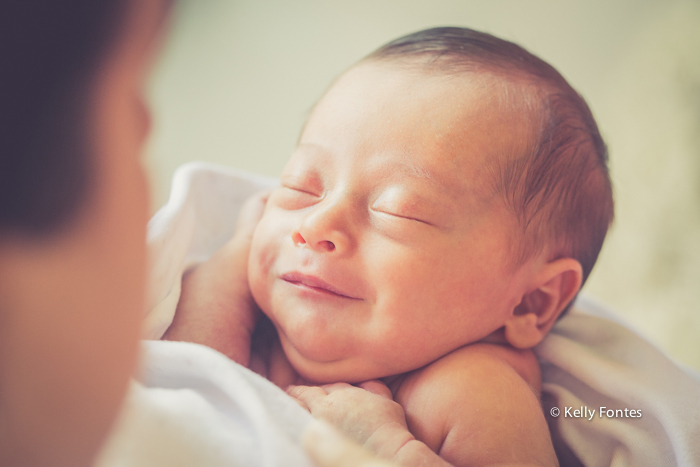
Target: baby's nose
{"type": "Point", "coordinates": [324, 230]}
{"type": "Point", "coordinates": [324, 245]}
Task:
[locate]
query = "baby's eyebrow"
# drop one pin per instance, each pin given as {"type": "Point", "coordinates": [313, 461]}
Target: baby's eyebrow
{"type": "Point", "coordinates": [415, 169]}
{"type": "Point", "coordinates": [408, 165]}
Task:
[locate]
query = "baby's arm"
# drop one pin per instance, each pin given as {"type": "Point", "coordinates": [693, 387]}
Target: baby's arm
{"type": "Point", "coordinates": [216, 308]}
{"type": "Point", "coordinates": [471, 408]}
{"type": "Point", "coordinates": [474, 407]}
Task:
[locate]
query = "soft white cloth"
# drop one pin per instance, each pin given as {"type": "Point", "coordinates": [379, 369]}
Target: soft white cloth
{"type": "Point", "coordinates": [590, 359]}
{"type": "Point", "coordinates": [195, 407]}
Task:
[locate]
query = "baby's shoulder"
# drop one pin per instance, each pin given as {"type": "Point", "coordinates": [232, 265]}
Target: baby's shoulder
{"type": "Point", "coordinates": [479, 359]}
{"type": "Point", "coordinates": [464, 389]}
{"type": "Point", "coordinates": [523, 362]}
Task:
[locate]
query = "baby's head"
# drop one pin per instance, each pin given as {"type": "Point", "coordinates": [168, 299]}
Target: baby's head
{"type": "Point", "coordinates": [448, 189]}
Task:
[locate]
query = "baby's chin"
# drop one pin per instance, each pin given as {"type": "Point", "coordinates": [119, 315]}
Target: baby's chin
{"type": "Point", "coordinates": [314, 365]}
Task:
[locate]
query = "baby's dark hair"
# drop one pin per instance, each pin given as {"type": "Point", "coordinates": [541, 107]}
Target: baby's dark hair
{"type": "Point", "coordinates": [559, 188]}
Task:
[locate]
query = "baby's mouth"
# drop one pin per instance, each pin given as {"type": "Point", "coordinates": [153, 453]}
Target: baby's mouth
{"type": "Point", "coordinates": [314, 283]}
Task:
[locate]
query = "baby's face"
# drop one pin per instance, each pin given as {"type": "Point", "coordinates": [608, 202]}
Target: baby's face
{"type": "Point", "coordinates": [386, 247]}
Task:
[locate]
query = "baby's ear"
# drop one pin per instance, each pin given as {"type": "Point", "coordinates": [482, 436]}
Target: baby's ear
{"type": "Point", "coordinates": [553, 287]}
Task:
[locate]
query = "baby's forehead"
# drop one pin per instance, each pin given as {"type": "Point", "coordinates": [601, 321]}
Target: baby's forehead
{"type": "Point", "coordinates": [460, 108]}
{"type": "Point", "coordinates": [475, 123]}
{"type": "Point", "coordinates": [453, 127]}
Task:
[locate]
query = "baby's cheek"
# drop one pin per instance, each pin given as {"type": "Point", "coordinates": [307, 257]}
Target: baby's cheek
{"type": "Point", "coordinates": [260, 264]}
{"type": "Point", "coordinates": [257, 285]}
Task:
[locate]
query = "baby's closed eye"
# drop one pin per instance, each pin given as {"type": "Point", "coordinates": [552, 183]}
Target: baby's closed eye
{"type": "Point", "coordinates": [395, 213]}
{"type": "Point", "coordinates": [402, 206]}
{"type": "Point", "coordinates": [294, 194]}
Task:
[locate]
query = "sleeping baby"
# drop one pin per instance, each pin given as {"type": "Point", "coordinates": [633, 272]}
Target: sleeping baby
{"type": "Point", "coordinates": [447, 199]}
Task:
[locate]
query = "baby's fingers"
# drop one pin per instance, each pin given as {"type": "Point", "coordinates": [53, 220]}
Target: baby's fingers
{"type": "Point", "coordinates": [377, 387]}
{"type": "Point", "coordinates": [309, 396]}
{"type": "Point", "coordinates": [331, 388]}
{"type": "Point", "coordinates": [328, 448]}
{"type": "Point", "coordinates": [251, 212]}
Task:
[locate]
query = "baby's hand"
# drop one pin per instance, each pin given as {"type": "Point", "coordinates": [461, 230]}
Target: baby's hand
{"type": "Point", "coordinates": [216, 308]}
{"type": "Point", "coordinates": [366, 413]}
{"type": "Point", "coordinates": [329, 448]}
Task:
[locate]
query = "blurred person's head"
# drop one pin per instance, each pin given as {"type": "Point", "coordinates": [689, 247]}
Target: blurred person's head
{"type": "Point", "coordinates": [448, 189]}
{"type": "Point", "coordinates": [73, 209]}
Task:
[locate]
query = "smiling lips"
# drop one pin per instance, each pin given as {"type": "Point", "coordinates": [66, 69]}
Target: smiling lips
{"type": "Point", "coordinates": [314, 284]}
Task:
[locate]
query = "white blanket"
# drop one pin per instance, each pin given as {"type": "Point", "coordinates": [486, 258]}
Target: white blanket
{"type": "Point", "coordinates": [192, 406]}
{"type": "Point", "coordinates": [195, 407]}
{"type": "Point", "coordinates": [591, 360]}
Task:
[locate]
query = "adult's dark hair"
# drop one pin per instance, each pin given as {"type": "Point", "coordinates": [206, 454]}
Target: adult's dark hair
{"type": "Point", "coordinates": [50, 51]}
{"type": "Point", "coordinates": [559, 188]}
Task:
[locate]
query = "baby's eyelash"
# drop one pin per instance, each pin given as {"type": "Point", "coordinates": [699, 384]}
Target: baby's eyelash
{"type": "Point", "coordinates": [404, 217]}
{"type": "Point", "coordinates": [300, 190]}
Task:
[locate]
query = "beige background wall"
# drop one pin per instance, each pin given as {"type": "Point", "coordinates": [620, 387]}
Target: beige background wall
{"type": "Point", "coordinates": [238, 77]}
